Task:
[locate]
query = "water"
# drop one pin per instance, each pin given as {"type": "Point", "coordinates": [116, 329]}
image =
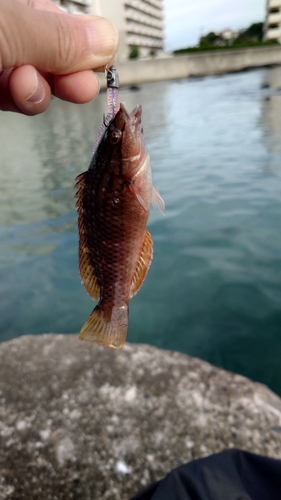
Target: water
{"type": "Point", "coordinates": [214, 288]}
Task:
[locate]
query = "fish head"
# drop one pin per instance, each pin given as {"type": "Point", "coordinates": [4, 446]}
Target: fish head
{"type": "Point", "coordinates": [122, 151]}
{"type": "Point", "coordinates": [125, 138]}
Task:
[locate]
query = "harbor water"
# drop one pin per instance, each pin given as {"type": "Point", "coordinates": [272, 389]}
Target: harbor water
{"type": "Point", "coordinates": [214, 287]}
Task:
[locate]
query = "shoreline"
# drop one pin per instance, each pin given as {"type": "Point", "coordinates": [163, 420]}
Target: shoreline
{"type": "Point", "coordinates": [207, 63]}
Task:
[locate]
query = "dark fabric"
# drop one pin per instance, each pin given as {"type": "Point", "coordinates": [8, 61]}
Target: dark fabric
{"type": "Point", "coordinates": [230, 475]}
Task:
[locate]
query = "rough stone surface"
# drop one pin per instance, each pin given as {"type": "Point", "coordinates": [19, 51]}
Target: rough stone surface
{"type": "Point", "coordinates": [82, 422]}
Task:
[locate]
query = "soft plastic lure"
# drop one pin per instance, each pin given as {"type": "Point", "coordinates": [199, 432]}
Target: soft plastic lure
{"type": "Point", "coordinates": [112, 102]}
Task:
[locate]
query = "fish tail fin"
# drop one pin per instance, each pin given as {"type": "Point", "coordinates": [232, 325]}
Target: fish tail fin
{"type": "Point", "coordinates": [106, 327]}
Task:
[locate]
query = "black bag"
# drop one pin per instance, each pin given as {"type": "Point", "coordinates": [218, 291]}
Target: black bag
{"type": "Point", "coordinates": [229, 475]}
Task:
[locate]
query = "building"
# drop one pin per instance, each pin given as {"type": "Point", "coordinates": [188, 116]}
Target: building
{"type": "Point", "coordinates": [144, 25]}
{"type": "Point", "coordinates": [229, 35]}
{"type": "Point", "coordinates": [139, 22]}
{"type": "Point", "coordinates": [272, 27]}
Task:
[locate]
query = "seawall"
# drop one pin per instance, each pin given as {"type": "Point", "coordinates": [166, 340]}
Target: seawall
{"type": "Point", "coordinates": [213, 62]}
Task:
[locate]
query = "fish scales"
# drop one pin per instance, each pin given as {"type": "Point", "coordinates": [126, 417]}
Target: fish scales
{"type": "Point", "coordinates": [115, 249]}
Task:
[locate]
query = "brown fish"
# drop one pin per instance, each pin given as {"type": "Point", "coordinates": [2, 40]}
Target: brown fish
{"type": "Point", "coordinates": [115, 249]}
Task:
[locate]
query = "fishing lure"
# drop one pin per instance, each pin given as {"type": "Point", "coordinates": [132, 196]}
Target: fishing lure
{"type": "Point", "coordinates": [113, 105]}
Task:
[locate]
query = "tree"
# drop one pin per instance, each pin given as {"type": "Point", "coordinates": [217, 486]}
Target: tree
{"type": "Point", "coordinates": [252, 34]}
{"type": "Point", "coordinates": [134, 52]}
{"type": "Point", "coordinates": [211, 40]}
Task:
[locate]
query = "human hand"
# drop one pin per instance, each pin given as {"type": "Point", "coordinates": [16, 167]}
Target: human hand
{"type": "Point", "coordinates": [45, 51]}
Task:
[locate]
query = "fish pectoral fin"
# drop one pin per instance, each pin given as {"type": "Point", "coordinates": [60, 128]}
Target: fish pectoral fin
{"type": "Point", "coordinates": [87, 271]}
{"type": "Point", "coordinates": [134, 189]}
{"type": "Point", "coordinates": [157, 200]}
{"type": "Point", "coordinates": [143, 264]}
{"type": "Point", "coordinates": [107, 328]}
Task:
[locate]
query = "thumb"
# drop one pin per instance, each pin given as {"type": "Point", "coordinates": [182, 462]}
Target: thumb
{"type": "Point", "coordinates": [57, 43]}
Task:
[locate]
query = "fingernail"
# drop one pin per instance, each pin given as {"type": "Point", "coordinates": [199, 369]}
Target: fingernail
{"type": "Point", "coordinates": [38, 93]}
{"type": "Point", "coordinates": [103, 37]}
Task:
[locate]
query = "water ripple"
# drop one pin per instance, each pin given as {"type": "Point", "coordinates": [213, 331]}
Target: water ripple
{"type": "Point", "coordinates": [214, 288]}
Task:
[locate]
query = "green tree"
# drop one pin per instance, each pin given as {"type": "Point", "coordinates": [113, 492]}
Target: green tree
{"type": "Point", "coordinates": [134, 52]}
{"type": "Point", "coordinates": [252, 34]}
{"type": "Point", "coordinates": [211, 40]}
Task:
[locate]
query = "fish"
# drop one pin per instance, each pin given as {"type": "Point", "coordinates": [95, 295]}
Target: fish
{"type": "Point", "coordinates": [115, 248]}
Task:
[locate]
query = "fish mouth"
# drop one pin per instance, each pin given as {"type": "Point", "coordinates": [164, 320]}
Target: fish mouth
{"type": "Point", "coordinates": [130, 125]}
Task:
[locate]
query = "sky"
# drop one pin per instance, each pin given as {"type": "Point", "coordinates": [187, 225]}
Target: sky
{"type": "Point", "coordinates": [187, 20]}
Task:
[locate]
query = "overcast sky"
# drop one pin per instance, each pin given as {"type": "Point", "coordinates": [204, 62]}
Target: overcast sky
{"type": "Point", "coordinates": [187, 20]}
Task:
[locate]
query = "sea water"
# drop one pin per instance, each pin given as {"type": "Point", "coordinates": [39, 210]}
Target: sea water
{"type": "Point", "coordinates": [214, 287]}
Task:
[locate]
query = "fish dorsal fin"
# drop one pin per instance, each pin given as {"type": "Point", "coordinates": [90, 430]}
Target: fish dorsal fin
{"type": "Point", "coordinates": [86, 268]}
{"type": "Point", "coordinates": [87, 271]}
{"type": "Point", "coordinates": [80, 180]}
{"type": "Point", "coordinates": [80, 185]}
{"type": "Point", "coordinates": [143, 264]}
{"type": "Point", "coordinates": [157, 200]}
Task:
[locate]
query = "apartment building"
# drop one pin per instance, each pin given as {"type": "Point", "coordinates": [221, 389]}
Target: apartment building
{"type": "Point", "coordinates": [144, 25]}
{"type": "Point", "coordinates": [272, 27]}
{"type": "Point", "coordinates": [139, 22]}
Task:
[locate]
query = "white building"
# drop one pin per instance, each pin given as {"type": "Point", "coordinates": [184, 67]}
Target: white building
{"type": "Point", "coordinates": [272, 27]}
{"type": "Point", "coordinates": [139, 22]}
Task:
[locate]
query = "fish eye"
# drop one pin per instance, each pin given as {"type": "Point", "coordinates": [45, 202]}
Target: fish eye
{"type": "Point", "coordinates": [115, 136]}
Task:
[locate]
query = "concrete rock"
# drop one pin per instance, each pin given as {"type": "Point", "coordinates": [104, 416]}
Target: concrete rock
{"type": "Point", "coordinates": [82, 422]}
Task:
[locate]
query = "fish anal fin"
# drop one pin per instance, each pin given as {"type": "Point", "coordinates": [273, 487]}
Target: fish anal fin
{"type": "Point", "coordinates": [106, 328]}
{"type": "Point", "coordinates": [87, 271]}
{"type": "Point", "coordinates": [143, 264]}
{"type": "Point", "coordinates": [157, 200]}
